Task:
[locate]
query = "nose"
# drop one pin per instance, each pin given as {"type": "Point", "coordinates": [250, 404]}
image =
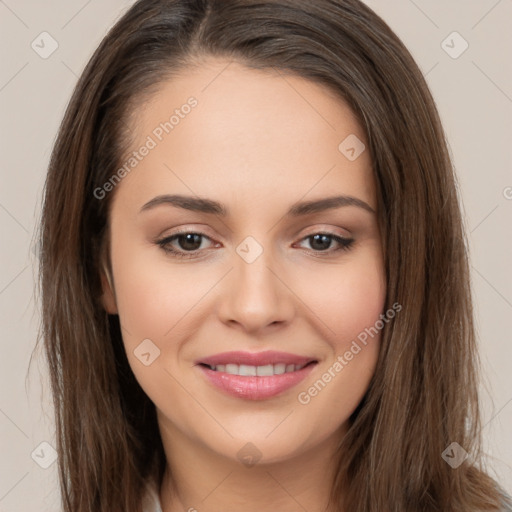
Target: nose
{"type": "Point", "coordinates": [256, 296]}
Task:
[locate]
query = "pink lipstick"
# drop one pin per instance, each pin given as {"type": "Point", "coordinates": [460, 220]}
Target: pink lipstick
{"type": "Point", "coordinates": [255, 375]}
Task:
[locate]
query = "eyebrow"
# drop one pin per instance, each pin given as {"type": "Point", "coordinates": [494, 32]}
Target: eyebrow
{"type": "Point", "coordinates": [203, 205]}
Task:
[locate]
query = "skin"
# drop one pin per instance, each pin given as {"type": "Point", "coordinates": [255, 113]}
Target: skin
{"type": "Point", "coordinates": [258, 141]}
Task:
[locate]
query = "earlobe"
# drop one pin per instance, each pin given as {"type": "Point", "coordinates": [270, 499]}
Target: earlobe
{"type": "Point", "coordinates": [108, 298]}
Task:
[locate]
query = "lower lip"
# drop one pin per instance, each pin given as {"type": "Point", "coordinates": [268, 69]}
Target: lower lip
{"type": "Point", "coordinates": [256, 388]}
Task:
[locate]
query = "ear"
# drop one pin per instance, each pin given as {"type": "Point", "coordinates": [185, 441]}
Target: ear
{"type": "Point", "coordinates": [108, 297]}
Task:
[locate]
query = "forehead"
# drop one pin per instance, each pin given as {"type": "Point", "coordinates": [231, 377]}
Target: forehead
{"type": "Point", "coordinates": [250, 132]}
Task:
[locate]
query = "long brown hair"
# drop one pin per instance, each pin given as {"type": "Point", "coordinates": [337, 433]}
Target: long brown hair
{"type": "Point", "coordinates": [423, 395]}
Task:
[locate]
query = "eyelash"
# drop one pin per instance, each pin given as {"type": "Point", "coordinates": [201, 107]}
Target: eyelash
{"type": "Point", "coordinates": [345, 244]}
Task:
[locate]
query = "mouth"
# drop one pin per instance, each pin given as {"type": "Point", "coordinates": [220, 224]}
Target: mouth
{"type": "Point", "coordinates": [255, 376]}
{"type": "Point", "coordinates": [268, 370]}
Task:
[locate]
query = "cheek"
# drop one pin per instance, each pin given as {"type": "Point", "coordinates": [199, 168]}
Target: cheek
{"type": "Point", "coordinates": [360, 299]}
{"type": "Point", "coordinates": [351, 301]}
{"type": "Point", "coordinates": [137, 294]}
{"type": "Point", "coordinates": [348, 298]}
{"type": "Point", "coordinates": [151, 295]}
{"type": "Point", "coordinates": [153, 301]}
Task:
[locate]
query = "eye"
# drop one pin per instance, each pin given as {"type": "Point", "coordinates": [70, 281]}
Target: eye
{"type": "Point", "coordinates": [321, 243]}
{"type": "Point", "coordinates": [189, 243]}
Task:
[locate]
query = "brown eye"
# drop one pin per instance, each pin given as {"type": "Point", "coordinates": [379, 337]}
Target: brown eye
{"type": "Point", "coordinates": [187, 242]}
{"type": "Point", "coordinates": [321, 242]}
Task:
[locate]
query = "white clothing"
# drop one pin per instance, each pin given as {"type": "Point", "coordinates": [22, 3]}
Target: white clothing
{"type": "Point", "coordinates": [152, 500]}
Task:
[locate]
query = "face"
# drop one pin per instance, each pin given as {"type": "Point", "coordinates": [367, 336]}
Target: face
{"type": "Point", "coordinates": [289, 288]}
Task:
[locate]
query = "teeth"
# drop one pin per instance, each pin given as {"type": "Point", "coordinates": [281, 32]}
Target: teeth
{"type": "Point", "coordinates": [247, 371]}
{"type": "Point", "coordinates": [278, 369]}
{"type": "Point", "coordinates": [261, 371]}
{"type": "Point", "coordinates": [231, 369]}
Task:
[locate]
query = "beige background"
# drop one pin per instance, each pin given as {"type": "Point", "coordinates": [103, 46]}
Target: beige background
{"type": "Point", "coordinates": [474, 96]}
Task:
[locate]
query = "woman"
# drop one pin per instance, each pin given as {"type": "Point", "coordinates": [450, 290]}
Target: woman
{"type": "Point", "coordinates": [313, 348]}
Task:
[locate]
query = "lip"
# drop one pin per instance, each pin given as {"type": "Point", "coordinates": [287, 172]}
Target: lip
{"type": "Point", "coordinates": [255, 358]}
{"type": "Point", "coordinates": [254, 387]}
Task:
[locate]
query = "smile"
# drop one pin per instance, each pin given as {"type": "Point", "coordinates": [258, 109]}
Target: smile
{"type": "Point", "coordinates": [268, 370]}
{"type": "Point", "coordinates": [277, 372]}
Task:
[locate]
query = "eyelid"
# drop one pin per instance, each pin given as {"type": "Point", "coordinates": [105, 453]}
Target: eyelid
{"type": "Point", "coordinates": [324, 228]}
{"type": "Point", "coordinates": [344, 243]}
{"type": "Point", "coordinates": [312, 230]}
{"type": "Point", "coordinates": [187, 228]}
{"type": "Point", "coordinates": [315, 228]}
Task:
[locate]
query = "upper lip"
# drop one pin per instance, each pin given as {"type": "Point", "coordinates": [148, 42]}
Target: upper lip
{"type": "Point", "coordinates": [255, 358]}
